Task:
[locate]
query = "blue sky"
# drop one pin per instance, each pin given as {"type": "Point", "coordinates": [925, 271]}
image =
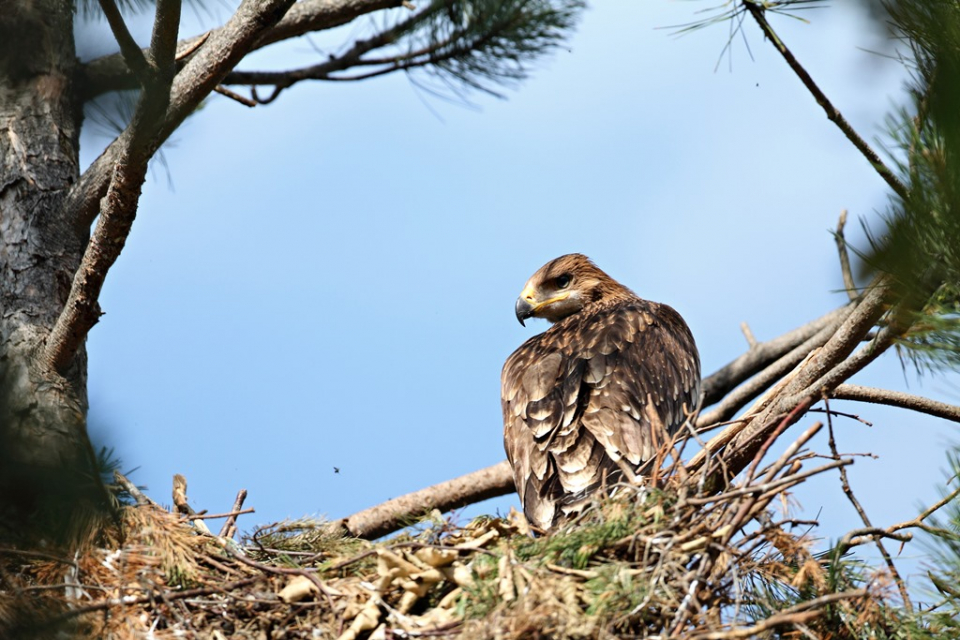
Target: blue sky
{"type": "Point", "coordinates": [329, 281]}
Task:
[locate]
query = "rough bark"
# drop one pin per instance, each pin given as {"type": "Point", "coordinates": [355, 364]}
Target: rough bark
{"type": "Point", "coordinates": [42, 413]}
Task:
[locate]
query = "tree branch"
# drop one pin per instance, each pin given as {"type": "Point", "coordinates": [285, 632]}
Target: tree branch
{"type": "Point", "coordinates": [398, 513]}
{"type": "Point", "coordinates": [807, 385]}
{"type": "Point", "coordinates": [129, 49]}
{"type": "Point", "coordinates": [848, 282]}
{"type": "Point", "coordinates": [323, 70]}
{"type": "Point", "coordinates": [118, 174]}
{"type": "Point", "coordinates": [761, 356]}
{"type": "Point", "coordinates": [111, 73]}
{"type": "Point", "coordinates": [119, 207]}
{"type": "Point", "coordinates": [897, 399]}
{"type": "Point", "coordinates": [221, 50]}
{"type": "Point", "coordinates": [878, 540]}
{"type": "Point", "coordinates": [758, 12]}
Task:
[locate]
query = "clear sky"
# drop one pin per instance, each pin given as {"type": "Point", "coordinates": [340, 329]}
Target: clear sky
{"type": "Point", "coordinates": [328, 282]}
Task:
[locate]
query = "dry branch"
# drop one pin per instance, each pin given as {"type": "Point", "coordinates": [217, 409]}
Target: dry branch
{"type": "Point", "coordinates": [897, 399]}
{"type": "Point", "coordinates": [759, 357]}
{"type": "Point", "coordinates": [372, 523]}
{"type": "Point", "coordinates": [848, 282]}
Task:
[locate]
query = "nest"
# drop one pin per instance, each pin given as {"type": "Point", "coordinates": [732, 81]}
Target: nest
{"type": "Point", "coordinates": [650, 562]}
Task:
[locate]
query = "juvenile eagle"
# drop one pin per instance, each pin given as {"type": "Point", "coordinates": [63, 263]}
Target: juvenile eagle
{"type": "Point", "coordinates": [586, 403]}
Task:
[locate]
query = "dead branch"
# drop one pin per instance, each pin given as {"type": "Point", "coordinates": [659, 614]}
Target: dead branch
{"type": "Point", "coordinates": [848, 283]}
{"type": "Point", "coordinates": [897, 399]}
{"type": "Point", "coordinates": [758, 12]}
{"type": "Point", "coordinates": [400, 512]}
{"type": "Point", "coordinates": [848, 491]}
{"type": "Point", "coordinates": [230, 526]}
{"type": "Point", "coordinates": [133, 490]}
{"type": "Point", "coordinates": [759, 357]}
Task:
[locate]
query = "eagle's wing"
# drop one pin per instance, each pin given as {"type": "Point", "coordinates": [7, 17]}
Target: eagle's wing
{"type": "Point", "coordinates": [592, 396]}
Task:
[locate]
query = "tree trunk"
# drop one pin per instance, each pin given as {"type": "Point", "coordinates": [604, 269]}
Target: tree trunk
{"type": "Point", "coordinates": [46, 460]}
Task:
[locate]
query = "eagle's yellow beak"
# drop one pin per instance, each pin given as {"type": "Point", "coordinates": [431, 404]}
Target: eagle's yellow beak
{"type": "Point", "coordinates": [528, 306]}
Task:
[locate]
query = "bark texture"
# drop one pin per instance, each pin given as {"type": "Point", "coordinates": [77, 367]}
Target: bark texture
{"type": "Point", "coordinates": [42, 413]}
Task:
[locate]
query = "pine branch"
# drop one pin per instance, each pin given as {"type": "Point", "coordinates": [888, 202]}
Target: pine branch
{"type": "Point", "coordinates": [112, 73]}
{"type": "Point", "coordinates": [118, 174]}
{"type": "Point", "coordinates": [758, 12]}
{"type": "Point", "coordinates": [897, 399]}
{"type": "Point", "coordinates": [119, 206]}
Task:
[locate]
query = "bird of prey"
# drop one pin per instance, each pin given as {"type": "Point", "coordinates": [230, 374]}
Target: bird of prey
{"type": "Point", "coordinates": [587, 403]}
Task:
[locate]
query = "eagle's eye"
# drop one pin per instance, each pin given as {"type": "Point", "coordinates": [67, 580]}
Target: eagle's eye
{"type": "Point", "coordinates": [563, 281]}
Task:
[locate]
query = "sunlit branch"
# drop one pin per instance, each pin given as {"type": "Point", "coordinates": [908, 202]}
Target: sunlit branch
{"type": "Point", "coordinates": [111, 73]}
{"type": "Point", "coordinates": [119, 206]}
{"type": "Point", "coordinates": [897, 399]}
{"type": "Point", "coordinates": [758, 12]}
{"type": "Point", "coordinates": [118, 174]}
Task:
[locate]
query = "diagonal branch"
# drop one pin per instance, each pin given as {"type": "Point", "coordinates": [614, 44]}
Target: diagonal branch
{"type": "Point", "coordinates": [129, 49]}
{"type": "Point", "coordinates": [758, 12]}
{"type": "Point", "coordinates": [111, 73]}
{"type": "Point", "coordinates": [221, 50]}
{"type": "Point", "coordinates": [733, 402]}
{"type": "Point", "coordinates": [762, 355]}
{"type": "Point", "coordinates": [118, 174]}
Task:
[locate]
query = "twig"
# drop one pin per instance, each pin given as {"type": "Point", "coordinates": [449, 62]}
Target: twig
{"type": "Point", "coordinates": [769, 486]}
{"type": "Point", "coordinates": [848, 491]}
{"type": "Point", "coordinates": [811, 608]}
{"type": "Point", "coordinates": [247, 102]}
{"type": "Point", "coordinates": [863, 535]}
{"type": "Point", "coordinates": [214, 516]}
{"type": "Point", "coordinates": [310, 575]}
{"type": "Point", "coordinates": [897, 399]}
{"type": "Point", "coordinates": [170, 595]}
{"type": "Point", "coordinates": [748, 334]}
{"type": "Point", "coordinates": [842, 414]}
{"type": "Point", "coordinates": [229, 527]}
{"type": "Point", "coordinates": [848, 282]}
{"type": "Point", "coordinates": [758, 12]}
{"type": "Point", "coordinates": [141, 498]}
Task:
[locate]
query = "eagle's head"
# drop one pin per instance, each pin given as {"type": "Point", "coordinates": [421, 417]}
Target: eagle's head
{"type": "Point", "coordinates": [564, 286]}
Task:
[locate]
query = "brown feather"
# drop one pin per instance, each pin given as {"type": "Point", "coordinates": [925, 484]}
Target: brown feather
{"type": "Point", "coordinates": [588, 400]}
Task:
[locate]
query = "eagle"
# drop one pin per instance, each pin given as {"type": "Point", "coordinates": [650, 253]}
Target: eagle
{"type": "Point", "coordinates": [587, 403]}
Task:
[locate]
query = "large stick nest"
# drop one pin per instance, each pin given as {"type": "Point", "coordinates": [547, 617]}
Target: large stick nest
{"type": "Point", "coordinates": [654, 562]}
